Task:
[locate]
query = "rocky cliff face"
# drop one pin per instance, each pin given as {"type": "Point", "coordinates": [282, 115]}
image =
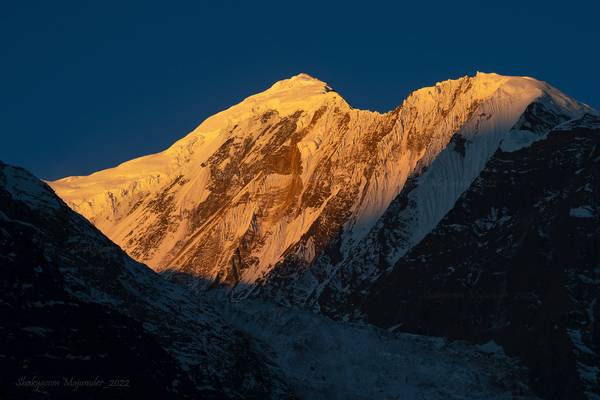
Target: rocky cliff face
{"type": "Point", "coordinates": [77, 307]}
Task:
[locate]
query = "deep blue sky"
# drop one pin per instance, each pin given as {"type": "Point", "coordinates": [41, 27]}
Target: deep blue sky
{"type": "Point", "coordinates": [87, 85]}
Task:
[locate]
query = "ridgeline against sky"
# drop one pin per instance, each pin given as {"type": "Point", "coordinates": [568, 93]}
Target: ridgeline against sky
{"type": "Point", "coordinates": [86, 86]}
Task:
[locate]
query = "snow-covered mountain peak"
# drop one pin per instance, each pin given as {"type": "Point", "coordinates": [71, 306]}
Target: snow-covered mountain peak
{"type": "Point", "coordinates": [294, 170]}
{"type": "Point", "coordinates": [300, 80]}
{"type": "Point", "coordinates": [484, 85]}
{"type": "Point", "coordinates": [300, 92]}
{"type": "Point", "coordinates": [551, 97]}
{"type": "Point", "coordinates": [300, 95]}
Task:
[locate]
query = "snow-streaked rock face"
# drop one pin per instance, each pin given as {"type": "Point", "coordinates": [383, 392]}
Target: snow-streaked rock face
{"type": "Point", "coordinates": [286, 193]}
